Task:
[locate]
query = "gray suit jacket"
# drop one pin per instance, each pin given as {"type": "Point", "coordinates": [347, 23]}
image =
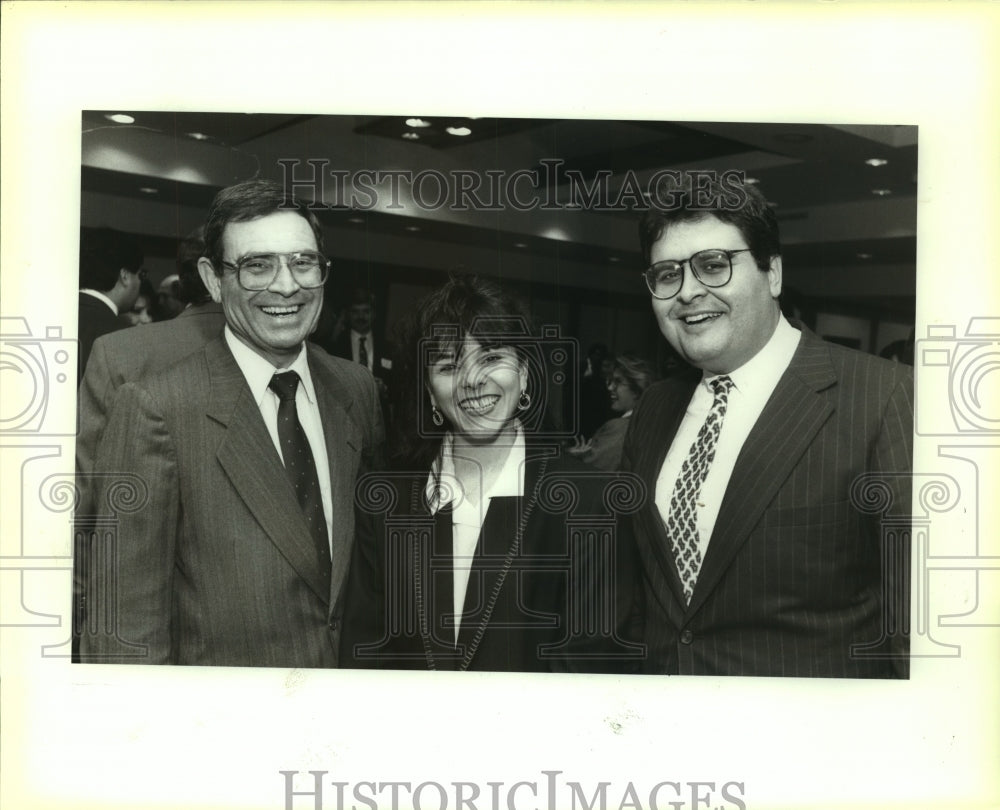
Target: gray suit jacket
{"type": "Point", "coordinates": [798, 578]}
{"type": "Point", "coordinates": [211, 561]}
{"type": "Point", "coordinates": [129, 355]}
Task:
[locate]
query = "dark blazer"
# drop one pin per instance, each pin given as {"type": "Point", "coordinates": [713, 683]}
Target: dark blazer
{"type": "Point", "coordinates": [213, 561]}
{"type": "Point", "coordinates": [94, 318]}
{"type": "Point", "coordinates": [341, 347]}
{"type": "Point", "coordinates": [552, 585]}
{"type": "Point", "coordinates": [796, 579]}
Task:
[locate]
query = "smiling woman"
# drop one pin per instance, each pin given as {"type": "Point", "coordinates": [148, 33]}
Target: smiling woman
{"type": "Point", "coordinates": [467, 559]}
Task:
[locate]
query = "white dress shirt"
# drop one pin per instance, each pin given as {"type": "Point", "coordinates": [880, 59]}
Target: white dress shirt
{"type": "Point", "coordinates": [258, 373]}
{"type": "Point", "coordinates": [467, 518]}
{"type": "Point", "coordinates": [356, 348]}
{"type": "Point", "coordinates": [753, 384]}
{"type": "Point", "coordinates": [101, 297]}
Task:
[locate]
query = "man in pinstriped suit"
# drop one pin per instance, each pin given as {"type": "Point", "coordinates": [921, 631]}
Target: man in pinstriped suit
{"type": "Point", "coordinates": [761, 544]}
{"type": "Point", "coordinates": [226, 557]}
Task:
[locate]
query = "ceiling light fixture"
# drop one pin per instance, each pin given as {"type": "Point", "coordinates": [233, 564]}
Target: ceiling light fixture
{"type": "Point", "coordinates": [864, 255]}
{"type": "Point", "coordinates": [356, 220]}
{"type": "Point", "coordinates": [460, 131]}
{"type": "Point", "coordinates": [198, 136]}
{"type": "Point", "coordinates": [417, 123]}
{"type": "Point", "coordinates": [120, 118]}
{"type": "Point", "coordinates": [520, 245]}
{"type": "Point", "coordinates": [752, 181]}
{"type": "Point", "coordinates": [149, 190]}
{"type": "Point", "coordinates": [876, 162]}
{"type": "Point", "coordinates": [412, 228]}
{"type": "Point", "coordinates": [411, 136]}
{"type": "Point", "coordinates": [881, 192]}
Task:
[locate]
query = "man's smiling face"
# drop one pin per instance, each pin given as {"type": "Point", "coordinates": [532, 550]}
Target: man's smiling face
{"type": "Point", "coordinates": [717, 329]}
{"type": "Point", "coordinates": [273, 322]}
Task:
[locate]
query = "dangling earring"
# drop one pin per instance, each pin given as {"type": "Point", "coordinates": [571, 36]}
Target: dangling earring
{"type": "Point", "coordinates": [436, 416]}
{"type": "Point", "coordinates": [524, 401]}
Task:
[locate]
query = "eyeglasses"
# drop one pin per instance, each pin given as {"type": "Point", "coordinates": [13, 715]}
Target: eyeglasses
{"type": "Point", "coordinates": [713, 268]}
{"type": "Point", "coordinates": [257, 271]}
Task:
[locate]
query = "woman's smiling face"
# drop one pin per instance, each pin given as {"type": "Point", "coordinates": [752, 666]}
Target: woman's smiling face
{"type": "Point", "coordinates": [476, 388]}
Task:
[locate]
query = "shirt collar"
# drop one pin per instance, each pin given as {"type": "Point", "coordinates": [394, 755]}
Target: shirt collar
{"type": "Point", "coordinates": [444, 488]}
{"type": "Point", "coordinates": [761, 372]}
{"type": "Point", "coordinates": [258, 371]}
{"type": "Point", "coordinates": [101, 297]}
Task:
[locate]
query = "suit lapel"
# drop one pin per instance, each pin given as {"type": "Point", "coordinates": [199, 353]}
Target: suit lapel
{"type": "Point", "coordinates": [792, 417]}
{"type": "Point", "coordinates": [343, 443]}
{"type": "Point", "coordinates": [248, 457]}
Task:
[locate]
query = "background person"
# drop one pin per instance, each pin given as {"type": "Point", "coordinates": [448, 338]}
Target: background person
{"type": "Point", "coordinates": [110, 273]}
{"type": "Point", "coordinates": [630, 376]}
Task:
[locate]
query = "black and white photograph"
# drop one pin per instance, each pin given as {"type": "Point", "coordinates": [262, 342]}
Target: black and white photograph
{"type": "Point", "coordinates": [491, 494]}
{"type": "Point", "coordinates": [492, 405]}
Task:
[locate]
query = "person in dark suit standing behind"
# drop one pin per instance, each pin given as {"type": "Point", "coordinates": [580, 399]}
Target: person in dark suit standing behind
{"type": "Point", "coordinates": [243, 457]}
{"type": "Point", "coordinates": [758, 557]}
{"type": "Point", "coordinates": [111, 272]}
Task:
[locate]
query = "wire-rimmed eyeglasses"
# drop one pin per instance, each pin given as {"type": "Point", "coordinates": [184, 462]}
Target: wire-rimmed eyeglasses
{"type": "Point", "coordinates": [712, 267]}
{"type": "Point", "coordinates": [257, 271]}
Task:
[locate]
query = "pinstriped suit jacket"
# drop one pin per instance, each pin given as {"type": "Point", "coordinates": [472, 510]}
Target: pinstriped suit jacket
{"type": "Point", "coordinates": [217, 566]}
{"type": "Point", "coordinates": [796, 579]}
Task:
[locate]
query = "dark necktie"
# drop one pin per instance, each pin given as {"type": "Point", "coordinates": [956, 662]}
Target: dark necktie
{"type": "Point", "coordinates": [682, 525]}
{"type": "Point", "coordinates": [362, 352]}
{"type": "Point", "coordinates": [300, 465]}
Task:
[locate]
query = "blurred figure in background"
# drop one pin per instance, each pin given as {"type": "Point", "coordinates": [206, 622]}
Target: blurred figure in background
{"type": "Point", "coordinates": [630, 376]}
{"type": "Point", "coordinates": [110, 274]}
{"type": "Point", "coordinates": [142, 309]}
{"type": "Point", "coordinates": [169, 299]}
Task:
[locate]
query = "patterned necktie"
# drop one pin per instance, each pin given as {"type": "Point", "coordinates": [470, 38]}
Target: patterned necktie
{"type": "Point", "coordinates": [362, 352]}
{"type": "Point", "coordinates": [300, 465]}
{"type": "Point", "coordinates": [682, 527]}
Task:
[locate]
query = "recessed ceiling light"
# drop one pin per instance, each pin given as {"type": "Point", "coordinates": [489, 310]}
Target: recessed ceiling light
{"type": "Point", "coordinates": [149, 190]}
{"type": "Point", "coordinates": [412, 228]}
{"type": "Point", "coordinates": [417, 123]}
{"type": "Point", "coordinates": [356, 220]}
{"type": "Point", "coordinates": [198, 136]}
{"type": "Point", "coordinates": [460, 131]}
{"type": "Point", "coordinates": [876, 162]}
{"type": "Point", "coordinates": [881, 192]}
{"type": "Point", "coordinates": [120, 118]}
{"type": "Point", "coordinates": [864, 255]}
{"type": "Point", "coordinates": [751, 181]}
{"type": "Point", "coordinates": [411, 136]}
{"type": "Point", "coordinates": [520, 245]}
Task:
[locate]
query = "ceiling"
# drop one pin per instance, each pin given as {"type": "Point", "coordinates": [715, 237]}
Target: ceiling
{"type": "Point", "coordinates": [521, 216]}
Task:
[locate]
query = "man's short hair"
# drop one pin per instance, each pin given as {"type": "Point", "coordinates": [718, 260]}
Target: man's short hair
{"type": "Point", "coordinates": [247, 201]}
{"type": "Point", "coordinates": [754, 218]}
{"type": "Point", "coordinates": [103, 252]}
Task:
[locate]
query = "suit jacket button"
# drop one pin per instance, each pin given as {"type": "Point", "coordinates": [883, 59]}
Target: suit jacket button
{"type": "Point", "coordinates": [687, 637]}
{"type": "Point", "coordinates": [334, 624]}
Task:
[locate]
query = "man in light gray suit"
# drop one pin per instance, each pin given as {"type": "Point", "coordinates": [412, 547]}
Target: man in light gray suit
{"type": "Point", "coordinates": [242, 458]}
